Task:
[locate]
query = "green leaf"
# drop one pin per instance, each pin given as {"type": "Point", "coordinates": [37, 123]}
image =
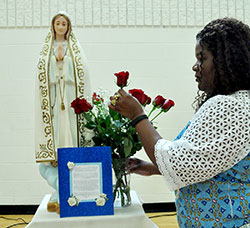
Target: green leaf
{"type": "Point", "coordinates": [87, 116]}
{"type": "Point", "coordinates": [138, 146]}
{"type": "Point", "coordinates": [100, 129]}
{"type": "Point", "coordinates": [97, 140]}
{"type": "Point", "coordinates": [114, 114]}
{"type": "Point", "coordinates": [108, 121]}
{"type": "Point", "coordinates": [90, 125]}
{"type": "Point", "coordinates": [128, 145]}
{"type": "Point", "coordinates": [118, 123]}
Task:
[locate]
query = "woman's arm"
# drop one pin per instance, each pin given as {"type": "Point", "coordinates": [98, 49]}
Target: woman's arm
{"type": "Point", "coordinates": [148, 136]}
{"type": "Point", "coordinates": [129, 107]}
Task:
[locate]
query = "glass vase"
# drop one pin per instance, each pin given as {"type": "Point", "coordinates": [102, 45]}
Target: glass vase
{"type": "Point", "coordinates": [121, 187]}
{"type": "Point", "coordinates": [121, 190]}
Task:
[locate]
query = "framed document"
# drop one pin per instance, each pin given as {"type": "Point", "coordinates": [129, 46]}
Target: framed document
{"type": "Point", "coordinates": [85, 181]}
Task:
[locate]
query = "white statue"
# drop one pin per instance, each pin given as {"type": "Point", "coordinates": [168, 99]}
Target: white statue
{"type": "Point", "coordinates": [62, 76]}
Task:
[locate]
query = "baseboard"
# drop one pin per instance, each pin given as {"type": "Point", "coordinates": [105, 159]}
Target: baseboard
{"type": "Point", "coordinates": [18, 209]}
{"type": "Point", "coordinates": [159, 207]}
{"type": "Point", "coordinates": [31, 209]}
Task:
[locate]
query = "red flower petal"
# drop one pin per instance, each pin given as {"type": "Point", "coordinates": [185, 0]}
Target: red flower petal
{"type": "Point", "coordinates": [167, 105]}
{"type": "Point", "coordinates": [80, 105]}
{"type": "Point", "coordinates": [122, 78]}
{"type": "Point", "coordinates": [159, 101]}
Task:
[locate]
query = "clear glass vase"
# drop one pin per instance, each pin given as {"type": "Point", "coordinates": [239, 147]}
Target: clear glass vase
{"type": "Point", "coordinates": [121, 189]}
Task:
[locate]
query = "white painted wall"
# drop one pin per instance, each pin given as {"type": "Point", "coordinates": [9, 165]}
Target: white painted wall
{"type": "Point", "coordinates": [159, 59]}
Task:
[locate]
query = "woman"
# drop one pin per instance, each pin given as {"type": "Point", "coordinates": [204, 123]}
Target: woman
{"type": "Point", "coordinates": [62, 76]}
{"type": "Point", "coordinates": [208, 165]}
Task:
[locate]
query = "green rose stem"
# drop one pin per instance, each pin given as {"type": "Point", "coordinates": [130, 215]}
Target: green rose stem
{"type": "Point", "coordinates": [121, 187]}
{"type": "Point", "coordinates": [127, 188]}
{"type": "Point", "coordinates": [93, 114]}
{"type": "Point", "coordinates": [157, 115]}
{"type": "Point", "coordinates": [162, 110]}
{"type": "Point", "coordinates": [152, 111]}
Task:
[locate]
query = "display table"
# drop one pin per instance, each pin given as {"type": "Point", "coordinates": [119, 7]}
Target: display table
{"type": "Point", "coordinates": [132, 217]}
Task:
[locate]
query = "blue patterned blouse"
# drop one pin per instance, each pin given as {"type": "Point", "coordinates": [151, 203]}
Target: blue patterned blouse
{"type": "Point", "coordinates": [223, 201]}
{"type": "Point", "coordinates": [208, 165]}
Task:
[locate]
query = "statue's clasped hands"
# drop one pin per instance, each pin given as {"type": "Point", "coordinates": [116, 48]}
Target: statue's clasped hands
{"type": "Point", "coordinates": [60, 55]}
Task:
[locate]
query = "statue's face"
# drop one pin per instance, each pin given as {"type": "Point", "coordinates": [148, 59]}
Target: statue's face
{"type": "Point", "coordinates": [60, 25]}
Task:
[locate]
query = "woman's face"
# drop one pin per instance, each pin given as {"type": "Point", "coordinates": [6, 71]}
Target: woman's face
{"type": "Point", "coordinates": [60, 25]}
{"type": "Point", "coordinates": [204, 69]}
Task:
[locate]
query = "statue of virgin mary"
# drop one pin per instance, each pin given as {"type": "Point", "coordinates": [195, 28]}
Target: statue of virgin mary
{"type": "Point", "coordinates": [62, 76]}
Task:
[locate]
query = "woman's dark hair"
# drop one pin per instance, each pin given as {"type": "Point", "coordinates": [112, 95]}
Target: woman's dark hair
{"type": "Point", "coordinates": [228, 40]}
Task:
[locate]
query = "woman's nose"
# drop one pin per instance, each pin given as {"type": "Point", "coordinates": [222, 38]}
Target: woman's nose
{"type": "Point", "coordinates": [195, 67]}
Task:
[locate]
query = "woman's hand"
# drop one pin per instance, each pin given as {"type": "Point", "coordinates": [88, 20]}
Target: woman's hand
{"type": "Point", "coordinates": [141, 167]}
{"type": "Point", "coordinates": [126, 105]}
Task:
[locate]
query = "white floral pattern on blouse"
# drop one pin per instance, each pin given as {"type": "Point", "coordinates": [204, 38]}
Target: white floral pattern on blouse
{"type": "Point", "coordinates": [217, 138]}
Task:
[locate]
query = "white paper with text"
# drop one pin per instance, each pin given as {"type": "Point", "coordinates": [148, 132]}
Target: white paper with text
{"type": "Point", "coordinates": [86, 181]}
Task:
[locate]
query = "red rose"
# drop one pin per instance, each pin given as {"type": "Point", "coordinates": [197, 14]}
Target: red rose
{"type": "Point", "coordinates": [122, 78]}
{"type": "Point", "coordinates": [159, 101]}
{"type": "Point", "coordinates": [74, 104]}
{"type": "Point", "coordinates": [167, 105]}
{"type": "Point", "coordinates": [80, 105]}
{"type": "Point", "coordinates": [96, 99]}
{"type": "Point", "coordinates": [145, 99]}
{"type": "Point", "coordinates": [137, 93]}
{"type": "Point", "coordinates": [140, 96]}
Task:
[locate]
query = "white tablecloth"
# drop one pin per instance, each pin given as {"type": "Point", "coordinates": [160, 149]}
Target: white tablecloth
{"type": "Point", "coordinates": [128, 217]}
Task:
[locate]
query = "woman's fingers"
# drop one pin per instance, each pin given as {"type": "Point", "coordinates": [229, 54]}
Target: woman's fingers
{"type": "Point", "coordinates": [114, 100]}
{"type": "Point", "coordinates": [125, 104]}
{"type": "Point", "coordinates": [122, 92]}
{"type": "Point", "coordinates": [133, 164]}
{"type": "Point", "coordinates": [141, 167]}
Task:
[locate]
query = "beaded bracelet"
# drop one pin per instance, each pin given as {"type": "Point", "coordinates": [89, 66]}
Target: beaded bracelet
{"type": "Point", "coordinates": [138, 119]}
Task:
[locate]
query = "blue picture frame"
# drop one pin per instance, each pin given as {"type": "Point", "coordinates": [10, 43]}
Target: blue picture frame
{"type": "Point", "coordinates": [80, 158]}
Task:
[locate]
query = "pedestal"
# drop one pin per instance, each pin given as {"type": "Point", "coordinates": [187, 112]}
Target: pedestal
{"type": "Point", "coordinates": [131, 217]}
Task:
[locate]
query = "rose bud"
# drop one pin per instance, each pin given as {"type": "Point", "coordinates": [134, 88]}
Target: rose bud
{"type": "Point", "coordinates": [145, 99]}
{"type": "Point", "coordinates": [159, 101]}
{"type": "Point", "coordinates": [122, 78]}
{"type": "Point", "coordinates": [167, 105]}
{"type": "Point", "coordinates": [97, 99]}
{"type": "Point", "coordinates": [137, 93]}
{"type": "Point", "coordinates": [140, 96]}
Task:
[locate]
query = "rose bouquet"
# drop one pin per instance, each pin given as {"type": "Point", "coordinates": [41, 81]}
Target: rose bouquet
{"type": "Point", "coordinates": [114, 130]}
